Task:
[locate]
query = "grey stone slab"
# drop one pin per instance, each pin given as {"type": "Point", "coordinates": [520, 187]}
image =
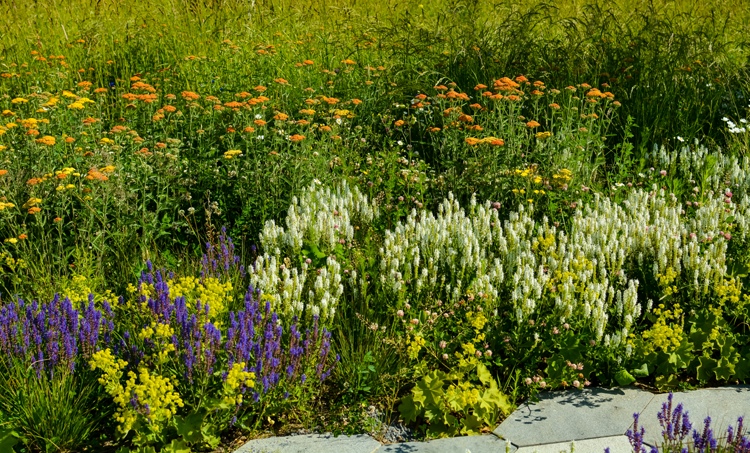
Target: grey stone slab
{"type": "Point", "coordinates": [312, 443]}
{"type": "Point", "coordinates": [723, 404]}
{"type": "Point", "coordinates": [574, 415]}
{"type": "Point", "coordinates": [616, 444]}
{"type": "Point", "coordinates": [475, 444]}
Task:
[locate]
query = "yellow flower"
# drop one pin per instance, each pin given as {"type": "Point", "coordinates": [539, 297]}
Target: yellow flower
{"type": "Point", "coordinates": [12, 240]}
{"type": "Point", "coordinates": [19, 101]}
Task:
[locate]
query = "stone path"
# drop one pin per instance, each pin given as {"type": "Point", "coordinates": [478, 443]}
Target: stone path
{"type": "Point", "coordinates": [592, 418]}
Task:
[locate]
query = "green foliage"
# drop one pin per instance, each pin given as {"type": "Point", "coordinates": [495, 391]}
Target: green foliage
{"type": "Point", "coordinates": [61, 412]}
{"type": "Point", "coordinates": [461, 402]}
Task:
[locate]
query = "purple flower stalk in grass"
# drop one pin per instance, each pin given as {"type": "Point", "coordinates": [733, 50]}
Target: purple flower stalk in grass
{"type": "Point", "coordinates": [675, 423]}
{"type": "Point", "coordinates": [675, 428]}
{"type": "Point", "coordinates": [52, 335]}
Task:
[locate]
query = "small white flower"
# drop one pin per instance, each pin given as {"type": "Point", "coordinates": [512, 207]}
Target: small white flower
{"type": "Point", "coordinates": [261, 137]}
{"type": "Point", "coordinates": [316, 181]}
{"type": "Point", "coordinates": [680, 139]}
{"type": "Point", "coordinates": [400, 143]}
{"type": "Point", "coordinates": [725, 119]}
{"type": "Point", "coordinates": [258, 116]}
{"type": "Point", "coordinates": [338, 120]}
{"type": "Point", "coordinates": [743, 121]}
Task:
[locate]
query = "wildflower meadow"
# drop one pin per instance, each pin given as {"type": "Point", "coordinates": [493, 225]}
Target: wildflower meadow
{"type": "Point", "coordinates": [224, 219]}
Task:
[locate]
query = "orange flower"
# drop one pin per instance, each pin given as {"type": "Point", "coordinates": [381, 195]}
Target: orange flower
{"type": "Point", "coordinates": [498, 142]}
{"type": "Point", "coordinates": [33, 181]}
{"type": "Point", "coordinates": [356, 101]}
{"type": "Point", "coordinates": [308, 62]}
{"type": "Point", "coordinates": [281, 81]}
{"type": "Point", "coordinates": [249, 129]}
{"type": "Point", "coordinates": [472, 141]}
{"type": "Point", "coordinates": [465, 118]}
{"type": "Point", "coordinates": [260, 122]}
{"type": "Point", "coordinates": [399, 123]}
{"type": "Point", "coordinates": [475, 106]}
{"type": "Point", "coordinates": [69, 140]}
{"type": "Point", "coordinates": [161, 145]}
{"type": "Point", "coordinates": [281, 116]}
{"type": "Point", "coordinates": [348, 61]}
{"type": "Point", "coordinates": [3, 172]}
{"type": "Point", "coordinates": [190, 95]}
{"type": "Point", "coordinates": [480, 87]}
{"type": "Point", "coordinates": [532, 124]}
{"type": "Point", "coordinates": [260, 88]}
{"type": "Point", "coordinates": [57, 219]}
{"type": "Point", "coordinates": [297, 138]}
{"type": "Point", "coordinates": [441, 87]}
{"type": "Point", "coordinates": [555, 106]}
{"type": "Point", "coordinates": [22, 236]}
{"type": "Point", "coordinates": [34, 210]}
{"type": "Point", "coordinates": [434, 129]}
{"type": "Point", "coordinates": [335, 137]}
{"type": "Point", "coordinates": [61, 176]}
{"type": "Point", "coordinates": [325, 128]}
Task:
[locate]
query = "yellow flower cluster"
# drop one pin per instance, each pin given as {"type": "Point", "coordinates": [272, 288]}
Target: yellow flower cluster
{"type": "Point", "coordinates": [161, 335]}
{"type": "Point", "coordinates": [11, 262]}
{"type": "Point", "coordinates": [415, 346]}
{"type": "Point", "coordinates": [666, 281]}
{"type": "Point", "coordinates": [477, 321]}
{"type": "Point", "coordinates": [156, 391]}
{"type": "Point", "coordinates": [667, 332]}
{"type": "Point", "coordinates": [79, 104]}
{"type": "Point", "coordinates": [729, 292]}
{"type": "Point", "coordinates": [32, 202]}
{"type": "Point", "coordinates": [232, 153]}
{"type": "Point", "coordinates": [77, 289]}
{"type": "Point", "coordinates": [212, 291]}
{"type": "Point", "coordinates": [236, 378]}
{"type": "Point", "coordinates": [110, 366]}
{"type": "Point", "coordinates": [562, 177]}
{"type": "Point", "coordinates": [462, 395]}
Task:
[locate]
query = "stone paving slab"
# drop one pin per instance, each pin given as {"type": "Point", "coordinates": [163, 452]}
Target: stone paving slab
{"type": "Point", "coordinates": [723, 404]}
{"type": "Point", "coordinates": [312, 443]}
{"type": "Point", "coordinates": [616, 444]}
{"type": "Point", "coordinates": [476, 444]}
{"type": "Point", "coordinates": [574, 415]}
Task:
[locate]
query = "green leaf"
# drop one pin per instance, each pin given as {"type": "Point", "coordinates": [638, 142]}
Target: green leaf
{"type": "Point", "coordinates": [484, 375]}
{"type": "Point", "coordinates": [408, 409]}
{"type": "Point", "coordinates": [177, 446]}
{"type": "Point", "coordinates": [624, 378]}
{"type": "Point", "coordinates": [189, 427]}
{"type": "Point", "coordinates": [664, 383]}
{"type": "Point", "coordinates": [742, 369]}
{"type": "Point", "coordinates": [640, 372]}
{"type": "Point", "coordinates": [472, 426]}
{"type": "Point", "coordinates": [8, 439]}
{"type": "Point", "coordinates": [495, 399]}
{"type": "Point", "coordinates": [706, 368]}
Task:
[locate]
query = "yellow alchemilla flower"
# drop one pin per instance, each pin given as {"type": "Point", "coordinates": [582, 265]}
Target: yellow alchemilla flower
{"type": "Point", "coordinates": [68, 94]}
{"type": "Point", "coordinates": [70, 186]}
{"type": "Point", "coordinates": [11, 125]}
{"type": "Point", "coordinates": [60, 187]}
{"type": "Point", "coordinates": [7, 112]}
{"type": "Point", "coordinates": [19, 101]}
{"type": "Point", "coordinates": [76, 105]}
